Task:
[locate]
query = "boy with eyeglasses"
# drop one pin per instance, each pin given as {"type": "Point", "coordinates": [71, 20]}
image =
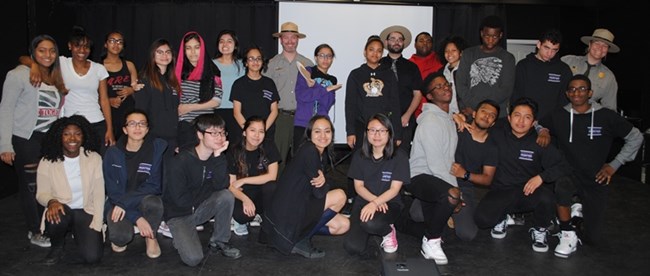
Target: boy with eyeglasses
{"type": "Point", "coordinates": [584, 131]}
{"type": "Point", "coordinates": [195, 189]}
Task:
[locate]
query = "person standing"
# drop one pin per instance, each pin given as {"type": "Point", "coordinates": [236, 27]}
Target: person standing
{"type": "Point", "coordinates": [408, 80]}
{"type": "Point", "coordinates": [195, 189]}
{"type": "Point", "coordinates": [486, 71]}
{"type": "Point", "coordinates": [605, 87]}
{"type": "Point", "coordinates": [542, 76]}
{"type": "Point", "coordinates": [229, 61]}
{"type": "Point", "coordinates": [452, 49]}
{"type": "Point", "coordinates": [585, 132]}
{"type": "Point", "coordinates": [200, 86]}
{"type": "Point", "coordinates": [283, 70]}
{"type": "Point", "coordinates": [26, 114]}
{"type": "Point", "coordinates": [122, 80]}
{"type": "Point", "coordinates": [426, 59]}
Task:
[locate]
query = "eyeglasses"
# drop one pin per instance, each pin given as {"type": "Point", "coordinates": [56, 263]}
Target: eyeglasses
{"type": "Point", "coordinates": [133, 124]}
{"type": "Point", "coordinates": [382, 132]}
{"type": "Point", "coordinates": [325, 56]}
{"type": "Point", "coordinates": [254, 59]}
{"type": "Point", "coordinates": [396, 39]}
{"type": "Point", "coordinates": [161, 52]}
{"type": "Point", "coordinates": [496, 36]}
{"type": "Point", "coordinates": [115, 41]}
{"type": "Point", "coordinates": [216, 134]}
{"type": "Point", "coordinates": [582, 89]}
{"type": "Point", "coordinates": [440, 86]}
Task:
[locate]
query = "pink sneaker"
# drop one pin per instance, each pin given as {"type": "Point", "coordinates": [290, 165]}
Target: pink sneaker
{"type": "Point", "coordinates": [389, 244]}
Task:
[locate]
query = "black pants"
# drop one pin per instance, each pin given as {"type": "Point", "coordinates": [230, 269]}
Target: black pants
{"type": "Point", "coordinates": [356, 239]}
{"type": "Point", "coordinates": [90, 246]}
{"type": "Point", "coordinates": [593, 196]}
{"type": "Point", "coordinates": [496, 203]}
{"type": "Point", "coordinates": [261, 196]}
{"type": "Point", "coordinates": [28, 154]}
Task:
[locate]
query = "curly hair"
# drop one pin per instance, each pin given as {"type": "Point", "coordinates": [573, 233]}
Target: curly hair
{"type": "Point", "coordinates": [239, 152]}
{"type": "Point", "coordinates": [52, 147]}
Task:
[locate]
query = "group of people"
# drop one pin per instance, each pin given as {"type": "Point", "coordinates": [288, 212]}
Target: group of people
{"type": "Point", "coordinates": [191, 139]}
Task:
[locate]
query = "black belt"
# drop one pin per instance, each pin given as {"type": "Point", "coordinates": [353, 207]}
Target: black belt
{"type": "Point", "coordinates": [287, 112]}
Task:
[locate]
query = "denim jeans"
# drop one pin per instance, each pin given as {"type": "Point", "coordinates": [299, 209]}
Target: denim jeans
{"type": "Point", "coordinates": [185, 237]}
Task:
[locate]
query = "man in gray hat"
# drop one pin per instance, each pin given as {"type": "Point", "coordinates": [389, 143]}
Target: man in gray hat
{"type": "Point", "coordinates": [284, 71]}
{"type": "Point", "coordinates": [603, 81]}
{"type": "Point", "coordinates": [407, 74]}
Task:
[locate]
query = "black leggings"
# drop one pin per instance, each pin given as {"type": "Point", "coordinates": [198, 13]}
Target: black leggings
{"type": "Point", "coordinates": [356, 239]}
{"type": "Point", "coordinates": [28, 154]}
{"type": "Point", "coordinates": [437, 205]}
{"type": "Point", "coordinates": [90, 246]}
{"type": "Point", "coordinates": [261, 196]}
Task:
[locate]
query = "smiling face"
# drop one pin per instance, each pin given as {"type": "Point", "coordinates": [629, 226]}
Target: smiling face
{"type": "Point", "coordinates": [72, 138]}
{"type": "Point", "coordinates": [212, 138]}
{"type": "Point", "coordinates": [45, 53]}
{"type": "Point", "coordinates": [521, 120]}
{"type": "Point", "coordinates": [289, 42]}
{"type": "Point", "coordinates": [193, 51]}
{"type": "Point", "coordinates": [254, 61]}
{"type": "Point", "coordinates": [163, 56]}
{"type": "Point", "coordinates": [321, 134]}
{"type": "Point", "coordinates": [452, 54]}
{"type": "Point", "coordinates": [579, 93]}
{"type": "Point", "coordinates": [378, 135]}
{"type": "Point", "coordinates": [136, 127]}
{"type": "Point", "coordinates": [254, 135]}
{"type": "Point", "coordinates": [598, 49]}
{"type": "Point", "coordinates": [80, 50]}
{"type": "Point", "coordinates": [226, 44]}
{"type": "Point", "coordinates": [485, 116]}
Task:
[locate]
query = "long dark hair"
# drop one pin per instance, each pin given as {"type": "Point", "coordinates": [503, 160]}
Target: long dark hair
{"type": "Point", "coordinates": [52, 147]}
{"type": "Point", "coordinates": [105, 51]}
{"type": "Point", "coordinates": [389, 149]}
{"type": "Point", "coordinates": [240, 151]}
{"type": "Point", "coordinates": [236, 53]}
{"type": "Point", "coordinates": [152, 73]}
{"type": "Point", "coordinates": [328, 150]}
{"type": "Point", "coordinates": [53, 74]}
{"type": "Point", "coordinates": [209, 72]}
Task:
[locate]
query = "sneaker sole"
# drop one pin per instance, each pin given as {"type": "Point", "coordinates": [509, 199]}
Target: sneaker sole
{"type": "Point", "coordinates": [240, 234]}
{"type": "Point", "coordinates": [438, 261]}
{"type": "Point", "coordinates": [498, 236]}
{"type": "Point", "coordinates": [390, 250]}
{"type": "Point", "coordinates": [540, 250]}
{"type": "Point", "coordinates": [562, 255]}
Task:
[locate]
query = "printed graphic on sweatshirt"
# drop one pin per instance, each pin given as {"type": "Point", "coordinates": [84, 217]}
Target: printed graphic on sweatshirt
{"type": "Point", "coordinates": [552, 77]}
{"type": "Point", "coordinates": [374, 88]}
{"type": "Point", "coordinates": [526, 155]}
{"type": "Point", "coordinates": [594, 131]}
{"type": "Point", "coordinates": [386, 176]}
{"type": "Point", "coordinates": [485, 70]}
{"type": "Point", "coordinates": [323, 82]}
{"type": "Point", "coordinates": [144, 168]}
{"type": "Point", "coordinates": [49, 107]}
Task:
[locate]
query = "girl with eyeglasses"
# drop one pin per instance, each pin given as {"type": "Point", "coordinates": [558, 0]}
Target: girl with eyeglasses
{"type": "Point", "coordinates": [379, 169]}
{"type": "Point", "coordinates": [254, 94]}
{"type": "Point", "coordinates": [314, 92]}
{"type": "Point", "coordinates": [133, 181]}
{"type": "Point", "coordinates": [122, 80]}
{"type": "Point", "coordinates": [159, 95]}
{"type": "Point", "coordinates": [253, 169]}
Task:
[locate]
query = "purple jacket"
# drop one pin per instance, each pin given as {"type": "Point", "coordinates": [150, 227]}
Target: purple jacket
{"type": "Point", "coordinates": [310, 99]}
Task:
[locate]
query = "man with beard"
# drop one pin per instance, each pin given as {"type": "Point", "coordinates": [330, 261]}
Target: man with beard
{"type": "Point", "coordinates": [476, 162]}
{"type": "Point", "coordinates": [408, 79]}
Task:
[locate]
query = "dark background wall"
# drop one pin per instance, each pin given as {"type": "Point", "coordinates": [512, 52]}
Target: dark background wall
{"type": "Point", "coordinates": [143, 21]}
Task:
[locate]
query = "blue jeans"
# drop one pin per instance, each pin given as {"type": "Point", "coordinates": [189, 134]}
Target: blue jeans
{"type": "Point", "coordinates": [185, 238]}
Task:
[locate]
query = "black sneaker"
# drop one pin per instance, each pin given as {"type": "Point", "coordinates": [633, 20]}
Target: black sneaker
{"type": "Point", "coordinates": [55, 255]}
{"type": "Point", "coordinates": [225, 249]}
{"type": "Point", "coordinates": [305, 249]}
{"type": "Point", "coordinates": [538, 235]}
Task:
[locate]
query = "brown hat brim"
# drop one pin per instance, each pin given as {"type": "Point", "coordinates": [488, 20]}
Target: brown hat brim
{"type": "Point", "coordinates": [400, 29]}
{"type": "Point", "coordinates": [300, 35]}
{"type": "Point", "coordinates": [613, 48]}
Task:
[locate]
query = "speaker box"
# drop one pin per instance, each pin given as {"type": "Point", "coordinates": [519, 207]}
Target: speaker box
{"type": "Point", "coordinates": [410, 267]}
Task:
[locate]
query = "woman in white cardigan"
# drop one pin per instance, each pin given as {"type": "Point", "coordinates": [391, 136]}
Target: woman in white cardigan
{"type": "Point", "coordinates": [70, 184]}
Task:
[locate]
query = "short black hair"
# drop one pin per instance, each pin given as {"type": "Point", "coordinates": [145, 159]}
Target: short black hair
{"type": "Point", "coordinates": [527, 102]}
{"type": "Point", "coordinates": [492, 21]}
{"type": "Point", "coordinates": [551, 35]}
{"type": "Point", "coordinates": [205, 121]}
{"type": "Point", "coordinates": [582, 78]}
{"type": "Point", "coordinates": [427, 81]}
{"type": "Point", "coordinates": [490, 103]}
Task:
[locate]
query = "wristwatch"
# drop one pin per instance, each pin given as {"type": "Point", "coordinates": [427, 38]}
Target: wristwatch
{"type": "Point", "coordinates": [466, 176]}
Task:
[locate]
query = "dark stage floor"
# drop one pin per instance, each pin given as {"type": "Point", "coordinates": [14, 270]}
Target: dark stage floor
{"type": "Point", "coordinates": [626, 252]}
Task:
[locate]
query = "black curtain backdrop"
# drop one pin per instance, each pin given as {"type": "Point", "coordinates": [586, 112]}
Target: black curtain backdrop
{"type": "Point", "coordinates": [142, 23]}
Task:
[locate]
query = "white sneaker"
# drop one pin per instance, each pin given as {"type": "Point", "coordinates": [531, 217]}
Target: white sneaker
{"type": "Point", "coordinates": [576, 210]}
{"type": "Point", "coordinates": [136, 230]}
{"type": "Point", "coordinates": [240, 229]}
{"type": "Point", "coordinates": [164, 230]}
{"type": "Point", "coordinates": [389, 242]}
{"type": "Point", "coordinates": [510, 220]}
{"type": "Point", "coordinates": [568, 244]}
{"type": "Point", "coordinates": [200, 228]}
{"type": "Point", "coordinates": [499, 230]}
{"type": "Point", "coordinates": [432, 249]}
{"type": "Point", "coordinates": [232, 224]}
{"type": "Point", "coordinates": [39, 239]}
{"type": "Point", "coordinates": [538, 235]}
{"type": "Point", "coordinates": [257, 221]}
